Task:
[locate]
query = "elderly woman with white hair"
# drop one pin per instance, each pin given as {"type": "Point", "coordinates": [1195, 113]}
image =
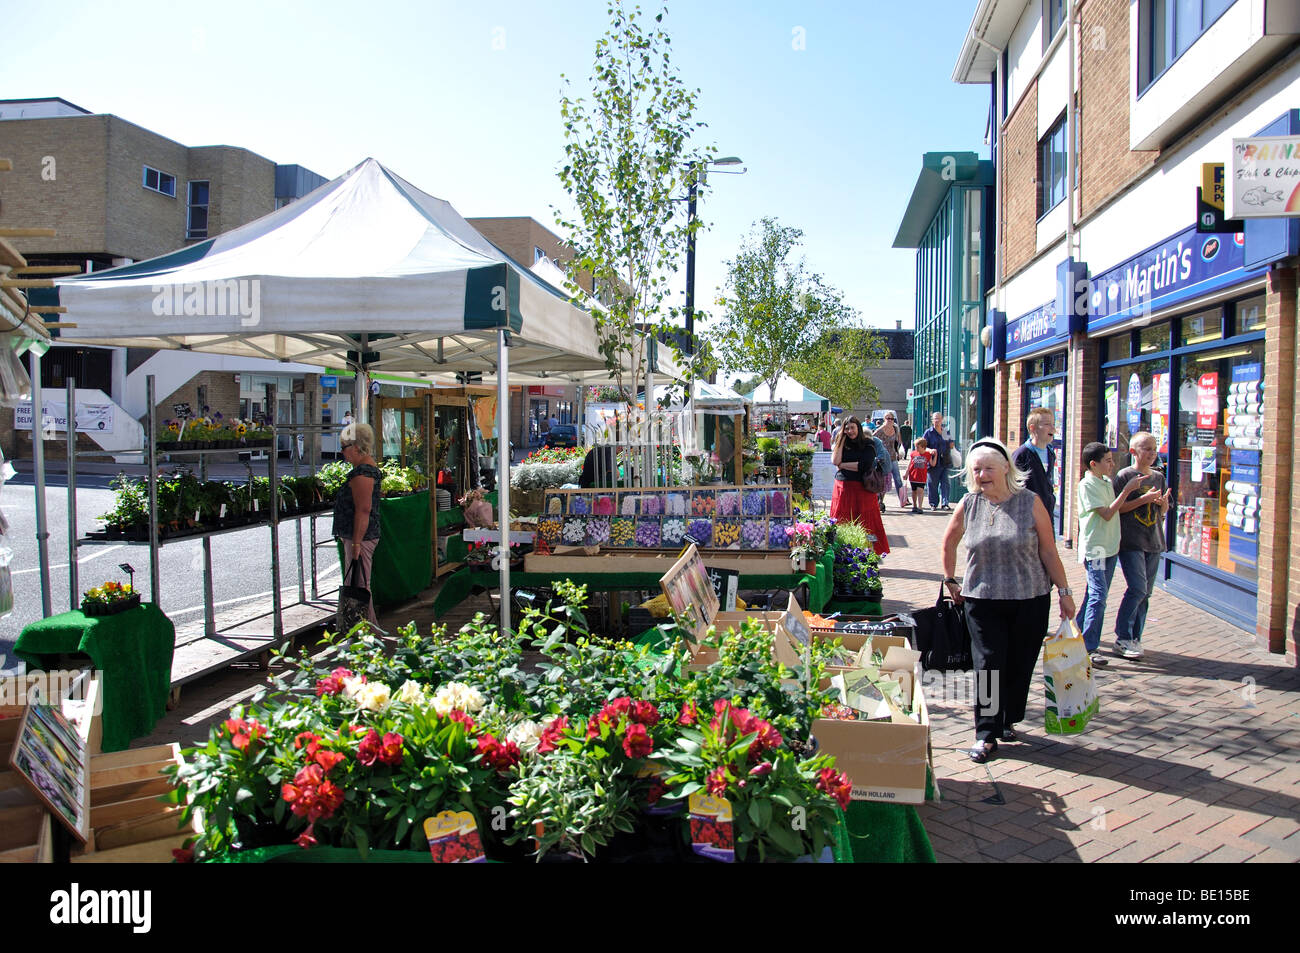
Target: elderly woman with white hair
{"type": "Point", "coordinates": [1011, 564]}
{"type": "Point", "coordinates": [356, 508]}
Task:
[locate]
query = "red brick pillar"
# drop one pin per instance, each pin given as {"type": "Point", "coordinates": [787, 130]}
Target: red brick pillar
{"type": "Point", "coordinates": [1001, 380]}
{"type": "Point", "coordinates": [1279, 526]}
{"type": "Point", "coordinates": [1081, 423]}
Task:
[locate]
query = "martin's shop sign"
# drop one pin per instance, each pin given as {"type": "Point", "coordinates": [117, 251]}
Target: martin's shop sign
{"type": "Point", "coordinates": [1180, 268]}
{"type": "Point", "coordinates": [1033, 332]}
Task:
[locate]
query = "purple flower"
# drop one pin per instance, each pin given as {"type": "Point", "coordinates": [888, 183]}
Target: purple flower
{"type": "Point", "coordinates": [755, 502]}
{"type": "Point", "coordinates": [647, 532]}
{"type": "Point", "coordinates": [753, 534]}
{"type": "Point", "coordinates": [729, 504]}
{"type": "Point", "coordinates": [776, 535]}
{"type": "Point", "coordinates": [579, 504]}
{"type": "Point", "coordinates": [597, 531]}
{"type": "Point", "coordinates": [701, 531]}
{"type": "Point", "coordinates": [779, 501]}
{"type": "Point", "coordinates": [651, 505]}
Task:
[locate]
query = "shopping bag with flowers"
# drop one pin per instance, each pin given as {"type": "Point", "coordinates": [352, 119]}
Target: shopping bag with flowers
{"type": "Point", "coordinates": [1071, 692]}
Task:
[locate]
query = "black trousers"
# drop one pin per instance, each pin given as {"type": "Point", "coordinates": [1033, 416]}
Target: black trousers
{"type": "Point", "coordinates": [1006, 636]}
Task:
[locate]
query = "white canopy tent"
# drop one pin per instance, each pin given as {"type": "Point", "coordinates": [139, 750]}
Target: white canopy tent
{"type": "Point", "coordinates": [366, 272]}
{"type": "Point", "coordinates": [800, 399]}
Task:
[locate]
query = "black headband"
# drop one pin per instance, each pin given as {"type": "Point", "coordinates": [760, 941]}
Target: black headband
{"type": "Point", "coordinates": [995, 446]}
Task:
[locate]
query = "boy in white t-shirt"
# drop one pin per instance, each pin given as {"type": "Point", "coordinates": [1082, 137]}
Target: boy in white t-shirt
{"type": "Point", "coordinates": [1098, 540]}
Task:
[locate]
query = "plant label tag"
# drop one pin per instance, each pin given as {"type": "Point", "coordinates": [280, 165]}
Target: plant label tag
{"type": "Point", "coordinates": [256, 507]}
{"type": "Point", "coordinates": [454, 839]}
{"type": "Point", "coordinates": [196, 516]}
{"type": "Point", "coordinates": [222, 514]}
{"type": "Point", "coordinates": [712, 835]}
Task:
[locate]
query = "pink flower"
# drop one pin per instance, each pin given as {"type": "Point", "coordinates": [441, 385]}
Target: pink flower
{"type": "Point", "coordinates": [637, 743]}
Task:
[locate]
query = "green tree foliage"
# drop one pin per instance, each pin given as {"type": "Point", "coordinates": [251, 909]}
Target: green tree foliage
{"type": "Point", "coordinates": [775, 309]}
{"type": "Point", "coordinates": [838, 366]}
{"type": "Point", "coordinates": [627, 160]}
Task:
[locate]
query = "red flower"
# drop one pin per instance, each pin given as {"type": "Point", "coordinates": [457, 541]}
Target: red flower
{"type": "Point", "coordinates": [498, 755]}
{"type": "Point", "coordinates": [341, 673]}
{"type": "Point", "coordinates": [329, 798]}
{"type": "Point", "coordinates": [657, 790]}
{"type": "Point", "coordinates": [459, 716]}
{"type": "Point", "coordinates": [391, 749]}
{"type": "Point", "coordinates": [183, 855]}
{"type": "Point", "coordinates": [619, 706]}
{"type": "Point", "coordinates": [637, 743]}
{"type": "Point", "coordinates": [309, 776]}
{"type": "Point", "coordinates": [305, 839]}
{"type": "Point", "coordinates": [328, 686]}
{"type": "Point", "coordinates": [312, 741]}
{"type": "Point", "coordinates": [553, 734]}
{"type": "Point", "coordinates": [768, 738]}
{"type": "Point", "coordinates": [645, 713]}
{"type": "Point", "coordinates": [761, 770]}
{"type": "Point", "coordinates": [689, 714]}
{"type": "Point", "coordinates": [837, 785]}
{"type": "Point", "coordinates": [328, 760]}
{"type": "Point", "coordinates": [370, 748]}
{"type": "Point", "coordinates": [717, 782]}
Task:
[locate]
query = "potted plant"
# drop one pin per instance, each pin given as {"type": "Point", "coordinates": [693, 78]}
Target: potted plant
{"type": "Point", "coordinates": [109, 599]}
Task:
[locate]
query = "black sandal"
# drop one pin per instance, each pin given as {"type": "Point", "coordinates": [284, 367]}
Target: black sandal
{"type": "Point", "coordinates": [981, 751]}
{"type": "Point", "coordinates": [1008, 734]}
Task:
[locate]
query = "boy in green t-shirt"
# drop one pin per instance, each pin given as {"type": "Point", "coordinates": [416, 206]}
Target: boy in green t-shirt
{"type": "Point", "coordinates": [1098, 540]}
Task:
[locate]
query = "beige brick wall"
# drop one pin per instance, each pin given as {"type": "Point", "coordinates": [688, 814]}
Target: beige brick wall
{"type": "Point", "coordinates": [66, 192]}
{"type": "Point", "coordinates": [242, 185]}
{"type": "Point", "coordinates": [142, 223]}
{"type": "Point", "coordinates": [1001, 394]}
{"type": "Point", "coordinates": [1106, 164]}
{"type": "Point", "coordinates": [222, 395]}
{"type": "Point", "coordinates": [1017, 190]}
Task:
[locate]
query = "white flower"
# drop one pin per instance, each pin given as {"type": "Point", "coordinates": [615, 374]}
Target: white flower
{"type": "Point", "coordinates": [372, 696]}
{"type": "Point", "coordinates": [526, 734]}
{"type": "Point", "coordinates": [411, 694]}
{"type": "Point", "coordinates": [457, 695]}
{"type": "Point", "coordinates": [353, 685]}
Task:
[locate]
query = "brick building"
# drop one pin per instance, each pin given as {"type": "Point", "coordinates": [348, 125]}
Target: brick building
{"type": "Point", "coordinates": [1107, 304]}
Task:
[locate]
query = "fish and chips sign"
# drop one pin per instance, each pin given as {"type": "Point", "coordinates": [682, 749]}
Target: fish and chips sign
{"type": "Point", "coordinates": [1266, 177]}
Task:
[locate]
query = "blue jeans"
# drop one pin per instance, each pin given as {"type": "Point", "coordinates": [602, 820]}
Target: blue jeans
{"type": "Point", "coordinates": [1100, 571]}
{"type": "Point", "coordinates": [936, 482]}
{"type": "Point", "coordinates": [904, 491]}
{"type": "Point", "coordinates": [1140, 572]}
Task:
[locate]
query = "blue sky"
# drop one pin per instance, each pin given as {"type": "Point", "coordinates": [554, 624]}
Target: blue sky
{"type": "Point", "coordinates": [463, 100]}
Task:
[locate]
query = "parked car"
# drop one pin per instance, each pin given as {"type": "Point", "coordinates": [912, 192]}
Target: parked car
{"type": "Point", "coordinates": [565, 435]}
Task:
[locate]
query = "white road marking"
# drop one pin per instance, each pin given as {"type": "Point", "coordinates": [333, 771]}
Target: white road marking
{"type": "Point", "coordinates": [81, 561]}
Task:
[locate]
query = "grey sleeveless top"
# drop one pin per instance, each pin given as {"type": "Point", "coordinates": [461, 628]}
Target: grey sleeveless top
{"type": "Point", "coordinates": [1002, 560]}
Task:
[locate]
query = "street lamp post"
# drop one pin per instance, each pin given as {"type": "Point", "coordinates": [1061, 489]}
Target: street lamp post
{"type": "Point", "coordinates": [696, 174]}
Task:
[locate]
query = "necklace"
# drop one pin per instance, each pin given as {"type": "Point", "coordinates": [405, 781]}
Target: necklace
{"type": "Point", "coordinates": [994, 506]}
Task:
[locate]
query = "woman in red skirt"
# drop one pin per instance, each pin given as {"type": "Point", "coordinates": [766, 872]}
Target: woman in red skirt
{"type": "Point", "coordinates": [853, 454]}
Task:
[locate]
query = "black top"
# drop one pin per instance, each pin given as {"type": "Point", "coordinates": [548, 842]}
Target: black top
{"type": "Point", "coordinates": [862, 456]}
{"type": "Point", "coordinates": [1026, 458]}
{"type": "Point", "coordinates": [345, 510]}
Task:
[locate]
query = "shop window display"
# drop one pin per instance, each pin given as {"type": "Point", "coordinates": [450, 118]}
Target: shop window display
{"type": "Point", "coordinates": [1221, 407]}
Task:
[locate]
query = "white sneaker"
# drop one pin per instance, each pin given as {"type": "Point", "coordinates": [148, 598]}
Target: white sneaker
{"type": "Point", "coordinates": [1126, 648]}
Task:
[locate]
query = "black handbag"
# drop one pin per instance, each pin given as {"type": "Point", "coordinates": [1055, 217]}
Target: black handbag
{"type": "Point", "coordinates": [942, 637]}
{"type": "Point", "coordinates": [874, 479]}
{"type": "Point", "coordinates": [354, 600]}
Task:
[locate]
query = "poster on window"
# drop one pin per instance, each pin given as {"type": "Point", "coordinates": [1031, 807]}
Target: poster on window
{"type": "Point", "coordinates": [1160, 411]}
{"type": "Point", "coordinates": [1133, 402]}
{"type": "Point", "coordinates": [97, 418]}
{"type": "Point", "coordinates": [1111, 391]}
{"type": "Point", "coordinates": [1207, 400]}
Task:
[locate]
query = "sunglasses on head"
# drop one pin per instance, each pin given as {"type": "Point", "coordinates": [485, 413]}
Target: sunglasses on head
{"type": "Point", "coordinates": [348, 443]}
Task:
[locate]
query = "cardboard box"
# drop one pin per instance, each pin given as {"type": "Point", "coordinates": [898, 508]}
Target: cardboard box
{"type": "Point", "coordinates": [129, 822]}
{"type": "Point", "coordinates": [885, 761]}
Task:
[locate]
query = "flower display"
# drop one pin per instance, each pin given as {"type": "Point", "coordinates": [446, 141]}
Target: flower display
{"type": "Point", "coordinates": [457, 696]}
{"type": "Point", "coordinates": [675, 504]}
{"type": "Point", "coordinates": [652, 504]}
{"type": "Point", "coordinates": [753, 534]}
{"type": "Point", "coordinates": [799, 535]}
{"type": "Point", "coordinates": [549, 529]}
{"type": "Point", "coordinates": [726, 532]}
{"type": "Point", "coordinates": [628, 507]}
{"type": "Point", "coordinates": [729, 503]}
{"type": "Point", "coordinates": [780, 503]}
{"type": "Point", "coordinates": [597, 531]}
{"type": "Point", "coordinates": [703, 504]}
{"type": "Point", "coordinates": [672, 531]}
{"type": "Point", "coordinates": [777, 535]}
{"type": "Point", "coordinates": [647, 532]}
{"type": "Point", "coordinates": [603, 506]}
{"type": "Point", "coordinates": [578, 505]}
{"type": "Point", "coordinates": [575, 530]}
{"type": "Point", "coordinates": [622, 531]}
{"type": "Point", "coordinates": [700, 532]}
{"type": "Point", "coordinates": [755, 502]}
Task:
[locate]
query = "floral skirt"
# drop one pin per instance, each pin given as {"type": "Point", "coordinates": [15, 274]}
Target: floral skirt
{"type": "Point", "coordinates": [851, 503]}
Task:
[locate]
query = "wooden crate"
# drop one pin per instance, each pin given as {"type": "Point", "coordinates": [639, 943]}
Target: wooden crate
{"type": "Point", "coordinates": [129, 822]}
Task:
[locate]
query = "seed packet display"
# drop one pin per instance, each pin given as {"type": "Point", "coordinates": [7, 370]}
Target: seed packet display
{"type": "Point", "coordinates": [652, 504]}
{"type": "Point", "coordinates": [579, 504]}
{"type": "Point", "coordinates": [712, 835]}
{"type": "Point", "coordinates": [598, 531]}
{"type": "Point", "coordinates": [629, 504]}
{"type": "Point", "coordinates": [700, 532]}
{"type": "Point", "coordinates": [753, 534]}
{"type": "Point", "coordinates": [754, 503]}
{"type": "Point", "coordinates": [454, 839]}
{"type": "Point", "coordinates": [604, 504]}
{"type": "Point", "coordinates": [676, 504]}
{"type": "Point", "coordinates": [647, 532]}
{"type": "Point", "coordinates": [779, 503]}
{"type": "Point", "coordinates": [575, 530]}
{"type": "Point", "coordinates": [777, 537]}
{"type": "Point", "coordinates": [548, 527]}
{"type": "Point", "coordinates": [726, 533]}
{"type": "Point", "coordinates": [729, 503]}
{"type": "Point", "coordinates": [704, 502]}
{"type": "Point", "coordinates": [554, 504]}
{"type": "Point", "coordinates": [622, 531]}
{"type": "Point", "coordinates": [672, 531]}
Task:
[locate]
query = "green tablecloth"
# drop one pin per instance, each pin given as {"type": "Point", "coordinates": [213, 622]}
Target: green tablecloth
{"type": "Point", "coordinates": [132, 650]}
{"type": "Point", "coordinates": [854, 606]}
{"type": "Point", "coordinates": [461, 583]}
{"type": "Point", "coordinates": [403, 563]}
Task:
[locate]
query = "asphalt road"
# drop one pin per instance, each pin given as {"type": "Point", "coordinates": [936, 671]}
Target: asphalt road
{"type": "Point", "coordinates": [241, 561]}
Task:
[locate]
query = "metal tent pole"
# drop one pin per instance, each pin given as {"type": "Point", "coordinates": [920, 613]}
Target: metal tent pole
{"type": "Point", "coordinates": [293, 453]}
{"type": "Point", "coordinates": [151, 457]}
{"type": "Point", "coordinates": [74, 595]}
{"type": "Point", "coordinates": [503, 471]}
{"type": "Point", "coordinates": [38, 465]}
{"type": "Point", "coordinates": [277, 621]}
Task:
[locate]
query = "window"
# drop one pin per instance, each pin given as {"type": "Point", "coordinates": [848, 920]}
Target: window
{"type": "Point", "coordinates": [156, 181]}
{"type": "Point", "coordinates": [1051, 168]}
{"type": "Point", "coordinates": [197, 225]}
{"type": "Point", "coordinates": [1053, 20]}
{"type": "Point", "coordinates": [1251, 315]}
{"type": "Point", "coordinates": [1199, 328]}
{"type": "Point", "coordinates": [1168, 28]}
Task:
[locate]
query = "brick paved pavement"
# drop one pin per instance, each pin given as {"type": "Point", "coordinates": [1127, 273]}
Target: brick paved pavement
{"type": "Point", "coordinates": [1194, 757]}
